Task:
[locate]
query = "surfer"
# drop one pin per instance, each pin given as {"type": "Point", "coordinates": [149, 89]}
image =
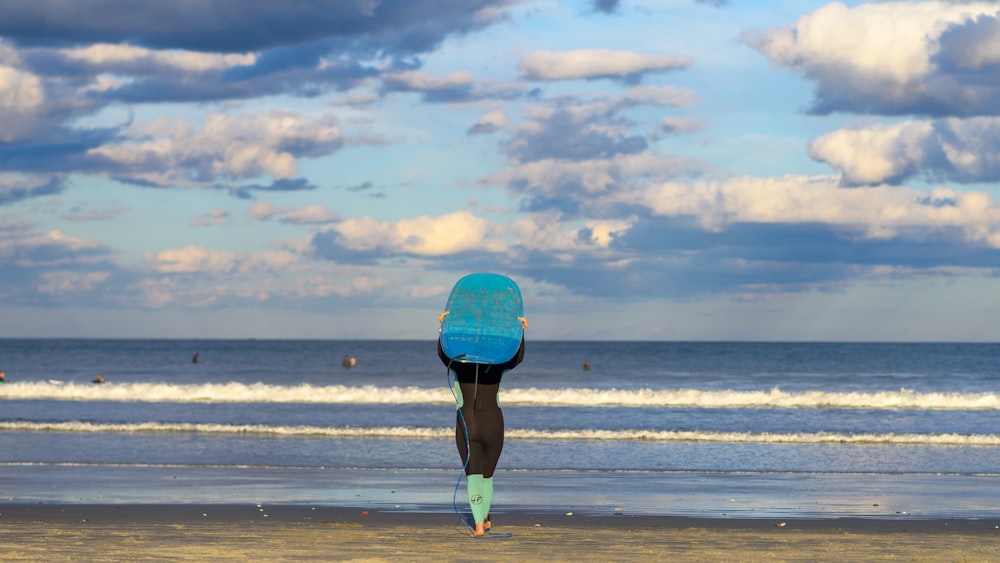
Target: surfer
{"type": "Point", "coordinates": [349, 362]}
{"type": "Point", "coordinates": [3, 377]}
{"type": "Point", "coordinates": [100, 379]}
{"type": "Point", "coordinates": [194, 360]}
{"type": "Point", "coordinates": [477, 389]}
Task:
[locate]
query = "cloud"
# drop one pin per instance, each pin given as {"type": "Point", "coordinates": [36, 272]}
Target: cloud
{"type": "Point", "coordinates": [419, 81]}
{"type": "Point", "coordinates": [573, 129]}
{"type": "Point", "coordinates": [456, 87]}
{"type": "Point", "coordinates": [279, 185]}
{"type": "Point", "coordinates": [212, 218]}
{"type": "Point", "coordinates": [892, 58]}
{"type": "Point", "coordinates": [883, 212]}
{"type": "Point", "coordinates": [168, 152]}
{"type": "Point", "coordinates": [366, 238]}
{"type": "Point", "coordinates": [309, 215]}
{"type": "Point", "coordinates": [368, 26]}
{"type": "Point", "coordinates": [60, 62]}
{"type": "Point", "coordinates": [21, 99]}
{"type": "Point", "coordinates": [959, 150]}
{"type": "Point", "coordinates": [95, 215]}
{"type": "Point", "coordinates": [124, 59]}
{"type": "Point", "coordinates": [605, 6]}
{"type": "Point", "coordinates": [15, 188]}
{"type": "Point", "coordinates": [199, 259]}
{"type": "Point", "coordinates": [592, 64]}
{"type": "Point", "coordinates": [263, 211]}
{"type": "Point", "coordinates": [62, 283]}
{"type": "Point", "coordinates": [751, 238]}
{"type": "Point", "coordinates": [39, 268]}
{"type": "Point", "coordinates": [684, 124]}
{"type": "Point", "coordinates": [582, 187]}
{"type": "Point", "coordinates": [568, 150]}
{"type": "Point", "coordinates": [489, 122]}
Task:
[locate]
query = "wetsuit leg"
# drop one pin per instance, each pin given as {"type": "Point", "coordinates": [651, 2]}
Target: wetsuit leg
{"type": "Point", "coordinates": [484, 422]}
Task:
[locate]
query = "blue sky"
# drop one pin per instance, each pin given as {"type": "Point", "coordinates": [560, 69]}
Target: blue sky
{"type": "Point", "coordinates": [644, 169]}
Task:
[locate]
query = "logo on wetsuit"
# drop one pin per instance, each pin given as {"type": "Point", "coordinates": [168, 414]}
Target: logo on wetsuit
{"type": "Point", "coordinates": [476, 499]}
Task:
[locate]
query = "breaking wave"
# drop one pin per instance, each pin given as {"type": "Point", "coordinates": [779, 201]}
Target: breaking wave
{"type": "Point", "coordinates": [569, 397]}
{"type": "Point", "coordinates": [400, 432]}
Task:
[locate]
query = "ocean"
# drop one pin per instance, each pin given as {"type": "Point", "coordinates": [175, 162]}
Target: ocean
{"type": "Point", "coordinates": [720, 429]}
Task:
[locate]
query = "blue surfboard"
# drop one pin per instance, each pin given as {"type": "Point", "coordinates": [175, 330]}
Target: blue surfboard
{"type": "Point", "coordinates": [483, 321]}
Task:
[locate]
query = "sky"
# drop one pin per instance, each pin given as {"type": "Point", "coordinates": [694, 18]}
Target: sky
{"type": "Point", "coordinates": [643, 169]}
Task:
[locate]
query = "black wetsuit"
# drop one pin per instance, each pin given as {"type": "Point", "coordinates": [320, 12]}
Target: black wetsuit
{"type": "Point", "coordinates": [480, 384]}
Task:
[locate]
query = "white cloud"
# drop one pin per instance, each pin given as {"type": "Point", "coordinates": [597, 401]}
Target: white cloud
{"type": "Point", "coordinates": [50, 249]}
{"type": "Point", "coordinates": [308, 215]}
{"type": "Point", "coordinates": [199, 259]}
{"type": "Point", "coordinates": [213, 217]}
{"type": "Point", "coordinates": [595, 176]}
{"type": "Point", "coordinates": [491, 121]}
{"type": "Point", "coordinates": [262, 210]}
{"type": "Point", "coordinates": [669, 96]}
{"type": "Point", "coordinates": [62, 282]}
{"type": "Point", "coordinates": [879, 212]}
{"type": "Point", "coordinates": [192, 259]}
{"type": "Point", "coordinates": [425, 81]}
{"type": "Point", "coordinates": [966, 150]}
{"type": "Point", "coordinates": [876, 57]}
{"type": "Point", "coordinates": [545, 232]}
{"type": "Point", "coordinates": [21, 97]}
{"type": "Point", "coordinates": [111, 56]}
{"type": "Point", "coordinates": [594, 63]}
{"type": "Point", "coordinates": [338, 285]}
{"type": "Point", "coordinates": [170, 152]}
{"type": "Point", "coordinates": [423, 236]}
{"type": "Point", "coordinates": [682, 124]}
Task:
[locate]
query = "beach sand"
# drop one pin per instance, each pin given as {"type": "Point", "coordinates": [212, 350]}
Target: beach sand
{"type": "Point", "coordinates": [211, 532]}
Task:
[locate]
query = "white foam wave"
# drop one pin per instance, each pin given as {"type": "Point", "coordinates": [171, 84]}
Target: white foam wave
{"type": "Point", "coordinates": [401, 432]}
{"type": "Point", "coordinates": [575, 397]}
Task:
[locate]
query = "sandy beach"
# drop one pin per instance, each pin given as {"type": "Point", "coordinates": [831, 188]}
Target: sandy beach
{"type": "Point", "coordinates": [75, 532]}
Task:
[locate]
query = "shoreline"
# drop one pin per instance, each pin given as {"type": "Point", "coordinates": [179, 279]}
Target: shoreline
{"type": "Point", "coordinates": [118, 513]}
{"type": "Point", "coordinates": [697, 495]}
{"type": "Point", "coordinates": [238, 532]}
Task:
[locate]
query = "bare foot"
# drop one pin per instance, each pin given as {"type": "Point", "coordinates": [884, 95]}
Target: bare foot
{"type": "Point", "coordinates": [489, 523]}
{"type": "Point", "coordinates": [480, 530]}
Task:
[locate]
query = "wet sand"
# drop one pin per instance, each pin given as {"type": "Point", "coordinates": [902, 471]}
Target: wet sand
{"type": "Point", "coordinates": [203, 532]}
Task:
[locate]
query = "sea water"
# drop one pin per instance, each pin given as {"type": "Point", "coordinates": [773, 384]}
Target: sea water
{"type": "Point", "coordinates": [734, 428]}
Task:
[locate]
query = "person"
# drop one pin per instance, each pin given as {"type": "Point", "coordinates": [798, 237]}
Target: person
{"type": "Point", "coordinates": [194, 360]}
{"type": "Point", "coordinates": [586, 365]}
{"type": "Point", "coordinates": [3, 377]}
{"type": "Point", "coordinates": [479, 427]}
{"type": "Point", "coordinates": [100, 379]}
{"type": "Point", "coordinates": [348, 362]}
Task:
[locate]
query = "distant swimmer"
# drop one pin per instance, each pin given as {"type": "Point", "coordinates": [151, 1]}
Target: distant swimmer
{"type": "Point", "coordinates": [3, 377]}
{"type": "Point", "coordinates": [349, 362]}
{"type": "Point", "coordinates": [100, 379]}
{"type": "Point", "coordinates": [586, 365]}
{"type": "Point", "coordinates": [194, 360]}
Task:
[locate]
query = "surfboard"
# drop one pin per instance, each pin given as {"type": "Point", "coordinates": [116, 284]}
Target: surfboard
{"type": "Point", "coordinates": [483, 321]}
